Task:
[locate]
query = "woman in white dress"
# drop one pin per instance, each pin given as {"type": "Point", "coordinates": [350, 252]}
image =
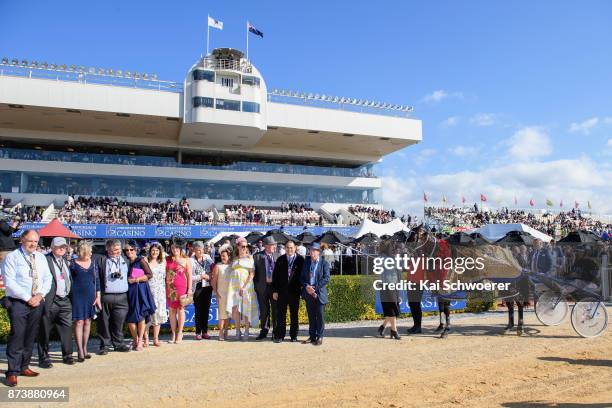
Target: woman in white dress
{"type": "Point", "coordinates": [157, 263]}
{"type": "Point", "coordinates": [222, 273]}
{"type": "Point", "coordinates": [241, 298]}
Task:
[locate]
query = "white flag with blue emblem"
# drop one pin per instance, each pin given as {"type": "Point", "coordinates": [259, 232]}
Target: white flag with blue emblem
{"type": "Point", "coordinates": [215, 23]}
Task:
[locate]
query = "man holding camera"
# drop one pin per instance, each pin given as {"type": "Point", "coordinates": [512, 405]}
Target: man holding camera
{"type": "Point", "coordinates": [113, 271]}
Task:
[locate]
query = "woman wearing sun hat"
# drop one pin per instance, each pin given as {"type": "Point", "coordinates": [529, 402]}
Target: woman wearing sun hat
{"type": "Point", "coordinates": [241, 298]}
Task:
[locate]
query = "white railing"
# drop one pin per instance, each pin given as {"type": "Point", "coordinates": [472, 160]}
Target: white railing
{"type": "Point", "coordinates": [90, 76]}
{"type": "Point", "coordinates": [234, 65]}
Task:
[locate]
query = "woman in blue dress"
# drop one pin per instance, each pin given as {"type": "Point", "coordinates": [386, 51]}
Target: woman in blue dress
{"type": "Point", "coordinates": [140, 298]}
{"type": "Point", "coordinates": [85, 296]}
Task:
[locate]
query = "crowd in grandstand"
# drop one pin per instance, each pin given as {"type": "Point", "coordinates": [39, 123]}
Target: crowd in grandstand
{"type": "Point", "coordinates": [375, 214]}
{"type": "Point", "coordinates": [106, 210]}
{"type": "Point", "coordinates": [287, 214]}
{"type": "Point", "coordinates": [553, 224]}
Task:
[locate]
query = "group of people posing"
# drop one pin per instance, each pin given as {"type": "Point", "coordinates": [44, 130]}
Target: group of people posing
{"type": "Point", "coordinates": [149, 289]}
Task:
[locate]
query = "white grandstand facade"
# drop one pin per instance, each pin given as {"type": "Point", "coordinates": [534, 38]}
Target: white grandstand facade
{"type": "Point", "coordinates": [219, 138]}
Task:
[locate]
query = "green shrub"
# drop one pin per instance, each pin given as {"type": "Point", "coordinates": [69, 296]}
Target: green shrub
{"type": "Point", "coordinates": [5, 325]}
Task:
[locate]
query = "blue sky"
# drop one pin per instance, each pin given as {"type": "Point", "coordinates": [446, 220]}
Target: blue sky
{"type": "Point", "coordinates": [515, 97]}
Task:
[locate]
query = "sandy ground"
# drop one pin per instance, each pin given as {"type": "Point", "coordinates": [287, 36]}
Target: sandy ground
{"type": "Point", "coordinates": [475, 367]}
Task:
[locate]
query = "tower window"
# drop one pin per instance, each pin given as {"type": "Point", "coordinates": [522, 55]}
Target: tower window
{"type": "Point", "coordinates": [228, 82]}
{"type": "Point", "coordinates": [250, 80]}
{"type": "Point", "coordinates": [250, 107]}
{"type": "Point", "coordinates": [202, 75]}
{"type": "Point", "coordinates": [200, 101]}
{"type": "Point", "coordinates": [226, 104]}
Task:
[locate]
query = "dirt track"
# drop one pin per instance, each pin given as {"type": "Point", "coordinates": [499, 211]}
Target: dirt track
{"type": "Point", "coordinates": [475, 367]}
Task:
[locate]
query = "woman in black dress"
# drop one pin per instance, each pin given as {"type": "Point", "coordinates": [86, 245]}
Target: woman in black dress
{"type": "Point", "coordinates": [85, 296]}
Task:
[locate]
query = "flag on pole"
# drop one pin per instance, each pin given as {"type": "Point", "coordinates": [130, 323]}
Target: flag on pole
{"type": "Point", "coordinates": [483, 197]}
{"type": "Point", "coordinates": [576, 204]}
{"type": "Point", "coordinates": [215, 23]}
{"type": "Point", "coordinates": [549, 203]}
{"type": "Point", "coordinates": [515, 201]}
{"type": "Point", "coordinates": [462, 199]}
{"type": "Point", "coordinates": [252, 29]}
{"type": "Point", "coordinates": [425, 199]}
{"type": "Point", "coordinates": [532, 202]}
{"type": "Point", "coordinates": [589, 204]}
{"type": "Point", "coordinates": [444, 200]}
{"type": "Point", "coordinates": [561, 204]}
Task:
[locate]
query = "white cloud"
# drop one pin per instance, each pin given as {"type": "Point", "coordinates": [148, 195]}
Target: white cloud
{"type": "Point", "coordinates": [584, 127]}
{"type": "Point", "coordinates": [568, 180]}
{"type": "Point", "coordinates": [463, 151]}
{"type": "Point", "coordinates": [450, 121]}
{"type": "Point", "coordinates": [484, 119]}
{"type": "Point", "coordinates": [439, 95]}
{"type": "Point", "coordinates": [529, 143]}
{"type": "Point", "coordinates": [436, 96]}
{"type": "Point", "coordinates": [607, 120]}
{"type": "Point", "coordinates": [609, 142]}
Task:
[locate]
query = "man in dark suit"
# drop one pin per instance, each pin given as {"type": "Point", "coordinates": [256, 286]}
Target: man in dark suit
{"type": "Point", "coordinates": [264, 270]}
{"type": "Point", "coordinates": [541, 258]}
{"type": "Point", "coordinates": [286, 287]}
{"type": "Point", "coordinates": [113, 271]}
{"type": "Point", "coordinates": [314, 279]}
{"type": "Point", "coordinates": [57, 308]}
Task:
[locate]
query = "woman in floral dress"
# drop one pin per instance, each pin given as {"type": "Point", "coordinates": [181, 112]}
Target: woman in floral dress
{"type": "Point", "coordinates": [157, 264]}
{"type": "Point", "coordinates": [241, 298]}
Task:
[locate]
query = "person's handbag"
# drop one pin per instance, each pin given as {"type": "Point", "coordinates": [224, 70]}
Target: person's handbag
{"type": "Point", "coordinates": [187, 299]}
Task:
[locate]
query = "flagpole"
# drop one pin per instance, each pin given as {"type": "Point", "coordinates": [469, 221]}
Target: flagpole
{"type": "Point", "coordinates": [247, 38]}
{"type": "Point", "coordinates": [207, 35]}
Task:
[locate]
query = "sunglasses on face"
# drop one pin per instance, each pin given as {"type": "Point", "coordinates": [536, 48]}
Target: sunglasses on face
{"type": "Point", "coordinates": [242, 246]}
{"type": "Point", "coordinates": [129, 250]}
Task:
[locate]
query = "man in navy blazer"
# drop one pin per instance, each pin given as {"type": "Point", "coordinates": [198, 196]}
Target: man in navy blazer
{"type": "Point", "coordinates": [314, 279]}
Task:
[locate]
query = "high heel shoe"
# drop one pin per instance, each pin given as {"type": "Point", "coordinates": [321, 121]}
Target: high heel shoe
{"type": "Point", "coordinates": [88, 356]}
{"type": "Point", "coordinates": [381, 331]}
{"type": "Point", "coordinates": [80, 359]}
{"type": "Point", "coordinates": [395, 335]}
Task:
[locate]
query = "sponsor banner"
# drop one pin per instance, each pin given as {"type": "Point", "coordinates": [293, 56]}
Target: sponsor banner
{"type": "Point", "coordinates": [429, 303]}
{"type": "Point", "coordinates": [213, 314]}
{"type": "Point", "coordinates": [138, 231]}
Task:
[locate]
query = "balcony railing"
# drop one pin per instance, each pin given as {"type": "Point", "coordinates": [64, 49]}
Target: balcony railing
{"type": "Point", "coordinates": [234, 65]}
{"type": "Point", "coordinates": [90, 76]}
{"type": "Point", "coordinates": [366, 171]}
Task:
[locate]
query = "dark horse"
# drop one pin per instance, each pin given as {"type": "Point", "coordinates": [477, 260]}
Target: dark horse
{"type": "Point", "coordinates": [423, 243]}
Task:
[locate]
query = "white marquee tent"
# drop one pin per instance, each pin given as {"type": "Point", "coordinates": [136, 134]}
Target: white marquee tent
{"type": "Point", "coordinates": [389, 228]}
{"type": "Point", "coordinates": [497, 231]}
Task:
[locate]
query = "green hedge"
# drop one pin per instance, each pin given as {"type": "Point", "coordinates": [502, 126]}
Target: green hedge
{"type": "Point", "coordinates": [5, 325]}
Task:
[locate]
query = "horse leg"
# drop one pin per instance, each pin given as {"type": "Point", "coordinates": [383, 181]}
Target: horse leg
{"type": "Point", "coordinates": [510, 306]}
{"type": "Point", "coordinates": [519, 327]}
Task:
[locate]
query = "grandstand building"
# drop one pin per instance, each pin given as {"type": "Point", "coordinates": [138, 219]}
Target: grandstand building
{"type": "Point", "coordinates": [220, 137]}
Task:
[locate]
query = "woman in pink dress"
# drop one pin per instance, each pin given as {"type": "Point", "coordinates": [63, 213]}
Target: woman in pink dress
{"type": "Point", "coordinates": [178, 285]}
